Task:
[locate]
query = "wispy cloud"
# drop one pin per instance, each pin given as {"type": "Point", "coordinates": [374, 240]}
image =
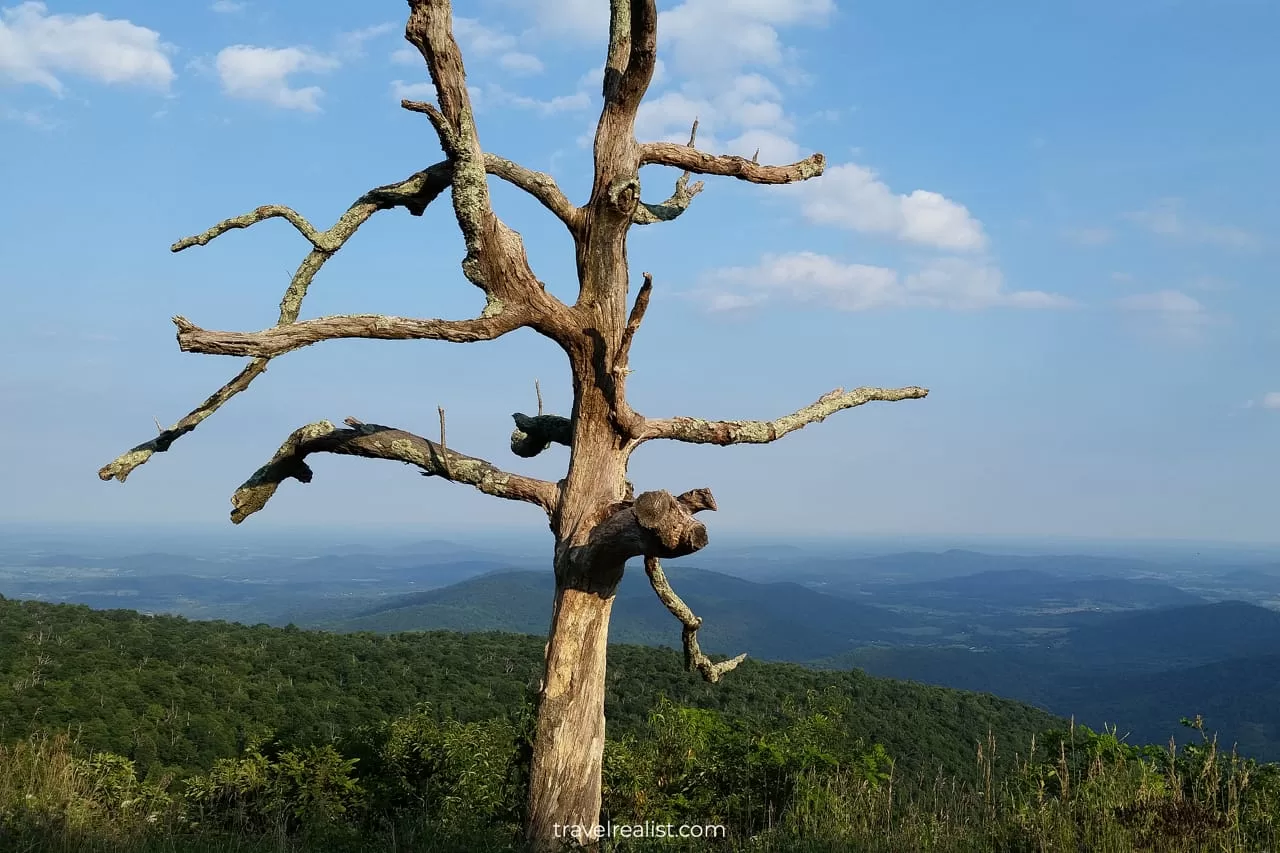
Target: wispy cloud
{"type": "Point", "coordinates": [351, 44]}
{"type": "Point", "coordinates": [227, 7]}
{"type": "Point", "coordinates": [1166, 218]}
{"type": "Point", "coordinates": [1170, 313]}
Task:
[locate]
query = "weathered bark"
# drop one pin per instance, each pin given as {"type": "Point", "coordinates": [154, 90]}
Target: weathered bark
{"type": "Point", "coordinates": [564, 793]}
{"type": "Point", "coordinates": [597, 520]}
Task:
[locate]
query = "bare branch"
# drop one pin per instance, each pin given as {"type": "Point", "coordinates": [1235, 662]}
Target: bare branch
{"type": "Point", "coordinates": [537, 390]}
{"type": "Point", "coordinates": [540, 185]}
{"type": "Point", "coordinates": [534, 435]}
{"type": "Point", "coordinates": [694, 659]}
{"type": "Point", "coordinates": [317, 239]}
{"type": "Point", "coordinates": [648, 214]}
{"type": "Point", "coordinates": [414, 194]}
{"type": "Point", "coordinates": [692, 160]}
{"type": "Point", "coordinates": [380, 442]}
{"type": "Point", "coordinates": [444, 447]}
{"type": "Point", "coordinates": [633, 323]}
{"type": "Point", "coordinates": [278, 340]}
{"type": "Point", "coordinates": [698, 431]}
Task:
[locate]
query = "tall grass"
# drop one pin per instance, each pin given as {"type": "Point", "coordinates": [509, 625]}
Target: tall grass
{"type": "Point", "coordinates": [1075, 790]}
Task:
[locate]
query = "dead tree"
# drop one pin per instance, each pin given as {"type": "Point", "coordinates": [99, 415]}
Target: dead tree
{"type": "Point", "coordinates": [598, 523]}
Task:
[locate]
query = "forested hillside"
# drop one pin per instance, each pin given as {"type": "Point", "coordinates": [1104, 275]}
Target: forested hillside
{"type": "Point", "coordinates": [174, 694]}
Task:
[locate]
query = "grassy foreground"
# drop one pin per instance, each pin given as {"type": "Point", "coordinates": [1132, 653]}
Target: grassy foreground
{"type": "Point", "coordinates": [422, 783]}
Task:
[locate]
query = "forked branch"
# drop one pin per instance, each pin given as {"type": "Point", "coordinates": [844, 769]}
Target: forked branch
{"type": "Point", "coordinates": [694, 659]}
{"type": "Point", "coordinates": [381, 442]}
{"type": "Point", "coordinates": [697, 431]}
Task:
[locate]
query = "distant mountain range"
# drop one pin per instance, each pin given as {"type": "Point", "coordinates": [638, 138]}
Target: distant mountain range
{"type": "Point", "coordinates": [774, 621]}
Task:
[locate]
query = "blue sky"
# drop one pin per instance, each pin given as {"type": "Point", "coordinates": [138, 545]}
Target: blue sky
{"type": "Point", "coordinates": [1061, 218]}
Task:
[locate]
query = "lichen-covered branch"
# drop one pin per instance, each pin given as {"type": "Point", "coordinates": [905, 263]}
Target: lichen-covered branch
{"type": "Point", "coordinates": [381, 442]}
{"type": "Point", "coordinates": [278, 340]}
{"type": "Point", "coordinates": [535, 434]}
{"type": "Point", "coordinates": [694, 659]}
{"type": "Point", "coordinates": [698, 431]}
{"type": "Point", "coordinates": [648, 214]}
{"type": "Point", "coordinates": [699, 162]}
{"type": "Point", "coordinates": [413, 193]}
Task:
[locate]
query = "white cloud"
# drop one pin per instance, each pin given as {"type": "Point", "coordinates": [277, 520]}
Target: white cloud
{"type": "Point", "coordinates": [1271, 400]}
{"type": "Point", "coordinates": [1166, 218]}
{"type": "Point", "coordinates": [263, 74]}
{"type": "Point", "coordinates": [483, 42]}
{"type": "Point", "coordinates": [720, 36]}
{"type": "Point", "coordinates": [1173, 313]}
{"type": "Point", "coordinates": [585, 21]}
{"type": "Point", "coordinates": [227, 7]}
{"type": "Point", "coordinates": [35, 47]}
{"type": "Point", "coordinates": [739, 117]}
{"type": "Point", "coordinates": [851, 196]}
{"type": "Point", "coordinates": [495, 95]}
{"type": "Point", "coordinates": [951, 283]}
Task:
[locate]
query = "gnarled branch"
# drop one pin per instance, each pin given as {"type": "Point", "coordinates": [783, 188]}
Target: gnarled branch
{"type": "Point", "coordinates": [648, 214]}
{"type": "Point", "coordinates": [698, 431]}
{"type": "Point", "coordinates": [694, 659]}
{"type": "Point", "coordinates": [692, 160]}
{"type": "Point", "coordinates": [381, 442]}
{"type": "Point", "coordinates": [278, 340]}
{"type": "Point", "coordinates": [655, 524]}
{"type": "Point", "coordinates": [413, 193]}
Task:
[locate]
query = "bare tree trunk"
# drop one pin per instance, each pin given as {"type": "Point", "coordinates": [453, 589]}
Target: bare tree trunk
{"type": "Point", "coordinates": [564, 782]}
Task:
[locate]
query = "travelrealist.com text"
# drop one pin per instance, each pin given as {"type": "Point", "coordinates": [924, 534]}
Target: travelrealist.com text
{"type": "Point", "coordinates": [648, 829]}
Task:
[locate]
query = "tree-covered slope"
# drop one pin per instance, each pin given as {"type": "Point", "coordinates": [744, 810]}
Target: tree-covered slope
{"type": "Point", "coordinates": [175, 693]}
